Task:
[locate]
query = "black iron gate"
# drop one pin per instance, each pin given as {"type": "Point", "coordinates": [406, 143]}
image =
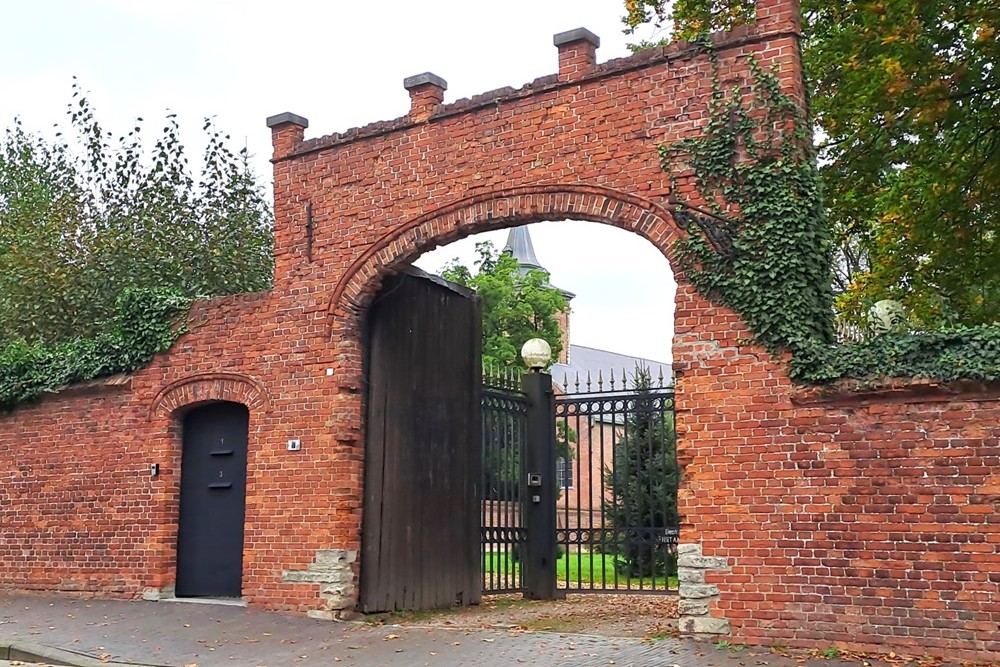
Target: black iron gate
{"type": "Point", "coordinates": [505, 416]}
{"type": "Point", "coordinates": [617, 478]}
{"type": "Point", "coordinates": [609, 487]}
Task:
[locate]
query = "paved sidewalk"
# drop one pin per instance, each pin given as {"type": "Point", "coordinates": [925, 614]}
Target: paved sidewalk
{"type": "Point", "coordinates": [178, 634]}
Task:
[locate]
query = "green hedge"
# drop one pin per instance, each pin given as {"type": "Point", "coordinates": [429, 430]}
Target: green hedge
{"type": "Point", "coordinates": [959, 353]}
{"type": "Point", "coordinates": [145, 323]}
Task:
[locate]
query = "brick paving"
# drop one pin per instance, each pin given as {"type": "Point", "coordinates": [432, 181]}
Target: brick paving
{"type": "Point", "coordinates": [178, 635]}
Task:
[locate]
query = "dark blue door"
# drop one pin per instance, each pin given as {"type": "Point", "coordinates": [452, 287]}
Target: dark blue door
{"type": "Point", "coordinates": [213, 501]}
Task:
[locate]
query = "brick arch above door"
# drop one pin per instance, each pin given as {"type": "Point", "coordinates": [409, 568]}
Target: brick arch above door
{"type": "Point", "coordinates": [192, 390]}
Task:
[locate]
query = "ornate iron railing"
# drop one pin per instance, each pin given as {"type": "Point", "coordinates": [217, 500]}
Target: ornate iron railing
{"type": "Point", "coordinates": [617, 513]}
{"type": "Point", "coordinates": [504, 439]}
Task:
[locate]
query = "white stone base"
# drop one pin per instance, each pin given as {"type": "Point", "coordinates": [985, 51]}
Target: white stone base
{"type": "Point", "coordinates": [696, 596]}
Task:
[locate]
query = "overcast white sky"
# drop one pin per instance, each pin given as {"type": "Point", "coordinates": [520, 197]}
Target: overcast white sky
{"type": "Point", "coordinates": [339, 64]}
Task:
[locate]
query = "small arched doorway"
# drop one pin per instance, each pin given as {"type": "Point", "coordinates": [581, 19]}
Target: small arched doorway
{"type": "Point", "coordinates": [212, 501]}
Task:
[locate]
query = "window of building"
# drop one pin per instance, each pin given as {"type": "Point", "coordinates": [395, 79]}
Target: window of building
{"type": "Point", "coordinates": [564, 473]}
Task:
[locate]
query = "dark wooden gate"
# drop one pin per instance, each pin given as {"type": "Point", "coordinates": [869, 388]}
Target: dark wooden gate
{"type": "Point", "coordinates": [420, 545]}
{"type": "Point", "coordinates": [213, 501]}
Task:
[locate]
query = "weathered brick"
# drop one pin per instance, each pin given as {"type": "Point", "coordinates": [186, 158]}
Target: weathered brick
{"type": "Point", "coordinates": [861, 515]}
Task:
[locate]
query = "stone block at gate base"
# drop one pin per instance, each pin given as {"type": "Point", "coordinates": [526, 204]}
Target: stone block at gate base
{"type": "Point", "coordinates": [704, 625]}
{"type": "Point", "coordinates": [332, 570]}
{"type": "Point", "coordinates": [704, 562]}
{"type": "Point", "coordinates": [691, 576]}
{"type": "Point", "coordinates": [698, 590]}
{"type": "Point", "coordinates": [692, 607]}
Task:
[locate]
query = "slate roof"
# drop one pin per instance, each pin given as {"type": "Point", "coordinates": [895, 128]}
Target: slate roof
{"type": "Point", "coordinates": [601, 363]}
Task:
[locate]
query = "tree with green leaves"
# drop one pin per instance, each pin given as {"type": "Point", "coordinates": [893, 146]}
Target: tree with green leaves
{"type": "Point", "coordinates": [517, 305]}
{"type": "Point", "coordinates": [88, 217]}
{"type": "Point", "coordinates": [905, 96]}
{"type": "Point", "coordinates": [643, 484]}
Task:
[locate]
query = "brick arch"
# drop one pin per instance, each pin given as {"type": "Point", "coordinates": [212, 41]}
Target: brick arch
{"type": "Point", "coordinates": [234, 387]}
{"type": "Point", "coordinates": [496, 209]}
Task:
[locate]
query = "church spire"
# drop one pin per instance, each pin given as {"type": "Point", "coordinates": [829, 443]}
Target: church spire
{"type": "Point", "coordinates": [519, 247]}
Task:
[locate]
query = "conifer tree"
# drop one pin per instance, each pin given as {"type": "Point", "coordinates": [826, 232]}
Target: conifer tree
{"type": "Point", "coordinates": [643, 483]}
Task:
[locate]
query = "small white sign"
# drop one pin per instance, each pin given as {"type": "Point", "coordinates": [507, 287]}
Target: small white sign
{"type": "Point", "coordinates": [294, 445]}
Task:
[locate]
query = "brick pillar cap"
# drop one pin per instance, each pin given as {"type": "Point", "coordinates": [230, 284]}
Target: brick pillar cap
{"type": "Point", "coordinates": [576, 35]}
{"type": "Point", "coordinates": [287, 118]}
{"type": "Point", "coordinates": [418, 80]}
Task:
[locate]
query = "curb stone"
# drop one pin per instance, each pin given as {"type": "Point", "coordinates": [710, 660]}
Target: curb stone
{"type": "Point", "coordinates": [32, 653]}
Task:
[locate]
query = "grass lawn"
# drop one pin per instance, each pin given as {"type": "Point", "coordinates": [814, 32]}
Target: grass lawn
{"type": "Point", "coordinates": [582, 570]}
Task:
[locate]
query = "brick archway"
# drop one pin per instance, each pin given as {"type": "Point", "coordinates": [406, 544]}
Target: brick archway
{"type": "Point", "coordinates": [582, 144]}
{"type": "Point", "coordinates": [234, 387]}
{"type": "Point", "coordinates": [495, 210]}
{"type": "Point", "coordinates": [788, 497]}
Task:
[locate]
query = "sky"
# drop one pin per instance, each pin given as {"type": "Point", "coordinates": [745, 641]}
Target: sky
{"type": "Point", "coordinates": [341, 65]}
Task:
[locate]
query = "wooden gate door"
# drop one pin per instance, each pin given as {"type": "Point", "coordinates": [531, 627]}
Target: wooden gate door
{"type": "Point", "coordinates": [213, 501]}
{"type": "Point", "coordinates": [420, 545]}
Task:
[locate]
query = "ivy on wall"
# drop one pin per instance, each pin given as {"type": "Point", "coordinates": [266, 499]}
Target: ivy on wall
{"type": "Point", "coordinates": [762, 246]}
{"type": "Point", "coordinates": [764, 249]}
{"type": "Point", "coordinates": [145, 322]}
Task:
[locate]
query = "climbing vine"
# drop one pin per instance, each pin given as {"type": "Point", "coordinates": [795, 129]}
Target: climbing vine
{"type": "Point", "coordinates": [145, 322]}
{"type": "Point", "coordinates": [761, 245]}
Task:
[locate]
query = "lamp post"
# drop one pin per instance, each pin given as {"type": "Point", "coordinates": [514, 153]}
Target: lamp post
{"type": "Point", "coordinates": [536, 354]}
{"type": "Point", "coordinates": [539, 490]}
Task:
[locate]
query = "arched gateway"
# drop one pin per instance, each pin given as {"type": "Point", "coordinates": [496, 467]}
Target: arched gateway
{"type": "Point", "coordinates": [808, 516]}
{"type": "Point", "coordinates": [356, 207]}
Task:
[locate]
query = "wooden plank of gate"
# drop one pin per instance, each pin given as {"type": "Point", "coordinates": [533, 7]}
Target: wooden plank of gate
{"type": "Point", "coordinates": [372, 591]}
{"type": "Point", "coordinates": [398, 551]}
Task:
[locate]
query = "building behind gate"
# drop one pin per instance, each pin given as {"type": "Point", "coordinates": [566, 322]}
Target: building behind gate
{"type": "Point", "coordinates": [863, 517]}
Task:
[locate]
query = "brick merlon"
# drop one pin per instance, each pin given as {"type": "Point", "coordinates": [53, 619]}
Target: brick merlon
{"type": "Point", "coordinates": [576, 35]}
{"type": "Point", "coordinates": [287, 118]}
{"type": "Point", "coordinates": [418, 80]}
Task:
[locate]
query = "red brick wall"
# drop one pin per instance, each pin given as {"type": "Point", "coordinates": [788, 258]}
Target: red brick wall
{"type": "Point", "coordinates": [81, 512]}
{"type": "Point", "coordinates": [818, 510]}
{"type": "Point", "coordinates": [75, 516]}
{"type": "Point", "coordinates": [860, 517]}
